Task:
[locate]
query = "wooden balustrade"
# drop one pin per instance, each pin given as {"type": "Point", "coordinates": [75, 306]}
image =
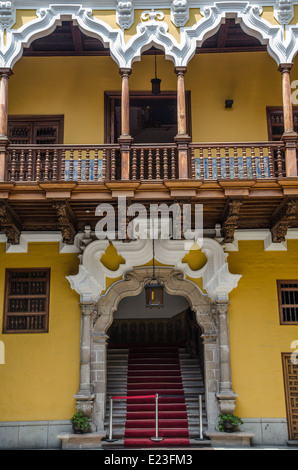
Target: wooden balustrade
{"type": "Point", "coordinates": [148, 162]}
{"type": "Point", "coordinates": [253, 160]}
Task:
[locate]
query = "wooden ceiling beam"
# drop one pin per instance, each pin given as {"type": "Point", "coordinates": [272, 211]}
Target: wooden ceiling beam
{"type": "Point", "coordinates": [77, 38]}
{"type": "Point", "coordinates": [223, 34]}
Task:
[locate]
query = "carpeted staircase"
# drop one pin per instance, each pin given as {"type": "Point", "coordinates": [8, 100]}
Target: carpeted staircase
{"type": "Point", "coordinates": [140, 373]}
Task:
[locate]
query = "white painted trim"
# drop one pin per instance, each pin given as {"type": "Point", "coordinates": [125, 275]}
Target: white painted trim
{"type": "Point", "coordinates": [41, 237]}
{"type": "Point", "coordinates": [154, 32]}
{"type": "Point", "coordinates": [263, 235]}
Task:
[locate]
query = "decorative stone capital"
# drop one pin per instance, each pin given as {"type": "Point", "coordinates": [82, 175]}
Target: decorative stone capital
{"type": "Point", "coordinates": [85, 403]}
{"type": "Point", "coordinates": [88, 308]}
{"type": "Point", "coordinates": [227, 402]}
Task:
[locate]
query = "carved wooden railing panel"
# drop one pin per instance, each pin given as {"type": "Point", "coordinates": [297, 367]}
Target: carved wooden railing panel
{"type": "Point", "coordinates": [148, 162]}
{"type": "Point", "coordinates": [253, 160]}
{"type": "Point", "coordinates": [154, 162]}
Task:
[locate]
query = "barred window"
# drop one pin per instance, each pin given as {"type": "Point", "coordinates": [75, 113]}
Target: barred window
{"type": "Point", "coordinates": [288, 301]}
{"type": "Point", "coordinates": [26, 303]}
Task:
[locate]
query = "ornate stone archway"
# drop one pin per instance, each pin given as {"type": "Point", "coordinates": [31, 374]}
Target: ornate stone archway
{"type": "Point", "coordinates": [211, 310]}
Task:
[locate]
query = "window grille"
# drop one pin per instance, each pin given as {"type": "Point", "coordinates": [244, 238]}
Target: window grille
{"type": "Point", "coordinates": [26, 304]}
{"type": "Point", "coordinates": [288, 301]}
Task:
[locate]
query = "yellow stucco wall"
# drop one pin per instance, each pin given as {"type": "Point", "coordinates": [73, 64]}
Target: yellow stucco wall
{"type": "Point", "coordinates": [256, 337]}
{"type": "Point", "coordinates": [75, 86]}
{"type": "Point", "coordinates": [41, 371]}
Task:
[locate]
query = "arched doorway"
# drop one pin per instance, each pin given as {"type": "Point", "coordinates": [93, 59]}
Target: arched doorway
{"type": "Point", "coordinates": [100, 302]}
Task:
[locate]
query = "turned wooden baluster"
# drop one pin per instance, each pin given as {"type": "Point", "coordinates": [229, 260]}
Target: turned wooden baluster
{"type": "Point", "coordinates": [236, 168]}
{"type": "Point", "coordinates": [262, 166]}
{"type": "Point", "coordinates": [87, 175]}
{"type": "Point", "coordinates": [134, 164]}
{"type": "Point", "coordinates": [46, 166]}
{"type": "Point", "coordinates": [210, 175]}
{"type": "Point", "coordinates": [227, 160]}
{"type": "Point", "coordinates": [30, 165]}
{"type": "Point", "coordinates": [113, 165]}
{"type": "Point", "coordinates": [95, 165]}
{"type": "Point", "coordinates": [244, 162]}
{"type": "Point", "coordinates": [157, 163]}
{"type": "Point", "coordinates": [22, 161]}
{"type": "Point", "coordinates": [150, 164]}
{"type": "Point", "coordinates": [104, 165]}
{"type": "Point", "coordinates": [202, 164]}
{"type": "Point", "coordinates": [79, 165]}
{"type": "Point", "coordinates": [62, 170]}
{"type": "Point", "coordinates": [192, 162]}
{"type": "Point", "coordinates": [253, 162]}
{"type": "Point", "coordinates": [218, 163]}
{"type": "Point", "coordinates": [165, 164]}
{"type": "Point", "coordinates": [13, 165]}
{"type": "Point", "coordinates": [271, 165]}
{"type": "Point", "coordinates": [71, 165]}
{"type": "Point", "coordinates": [38, 165]}
{"type": "Point", "coordinates": [279, 163]}
{"type": "Point", "coordinates": [142, 164]}
{"type": "Point", "coordinates": [55, 165]}
{"type": "Point", "coordinates": [173, 164]}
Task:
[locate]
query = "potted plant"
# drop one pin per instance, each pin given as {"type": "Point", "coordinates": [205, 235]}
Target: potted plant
{"type": "Point", "coordinates": [228, 422]}
{"type": "Point", "coordinates": [80, 423]}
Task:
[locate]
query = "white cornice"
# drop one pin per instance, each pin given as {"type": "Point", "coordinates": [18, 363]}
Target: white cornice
{"type": "Point", "coordinates": [138, 4]}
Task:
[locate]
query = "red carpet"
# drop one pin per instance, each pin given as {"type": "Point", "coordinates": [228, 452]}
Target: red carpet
{"type": "Point", "coordinates": [154, 371]}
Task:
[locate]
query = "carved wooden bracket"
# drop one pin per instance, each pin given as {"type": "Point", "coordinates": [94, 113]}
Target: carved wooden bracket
{"type": "Point", "coordinates": [284, 220]}
{"type": "Point", "coordinates": [230, 219]}
{"type": "Point", "coordinates": [10, 223]}
{"type": "Point", "coordinates": [66, 220]}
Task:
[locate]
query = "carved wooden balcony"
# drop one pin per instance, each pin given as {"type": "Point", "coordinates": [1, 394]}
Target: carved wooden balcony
{"type": "Point", "coordinates": [148, 162]}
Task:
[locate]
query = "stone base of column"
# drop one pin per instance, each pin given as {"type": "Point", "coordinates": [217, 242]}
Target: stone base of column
{"type": "Point", "coordinates": [230, 439]}
{"type": "Point", "coordinates": [90, 441]}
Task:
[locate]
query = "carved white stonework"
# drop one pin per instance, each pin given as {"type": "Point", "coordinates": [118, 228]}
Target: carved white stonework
{"type": "Point", "coordinates": [90, 281]}
{"type": "Point", "coordinates": [153, 31]}
{"type": "Point", "coordinates": [7, 14]}
{"type": "Point", "coordinates": [125, 14]}
{"type": "Point", "coordinates": [284, 11]}
{"type": "Point", "coordinates": [179, 12]}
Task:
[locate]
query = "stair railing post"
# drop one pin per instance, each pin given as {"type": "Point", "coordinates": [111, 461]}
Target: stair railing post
{"type": "Point", "coordinates": [111, 419]}
{"type": "Point", "coordinates": [156, 438]}
{"type": "Point", "coordinates": [201, 420]}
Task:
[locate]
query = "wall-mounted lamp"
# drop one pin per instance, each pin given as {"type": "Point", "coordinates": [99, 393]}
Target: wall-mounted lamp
{"type": "Point", "coordinates": [228, 104]}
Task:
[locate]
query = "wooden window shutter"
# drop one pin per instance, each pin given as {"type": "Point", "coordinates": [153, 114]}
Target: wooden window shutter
{"type": "Point", "coordinates": [26, 303]}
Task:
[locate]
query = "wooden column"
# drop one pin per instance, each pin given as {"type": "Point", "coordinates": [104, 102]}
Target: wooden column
{"type": "Point", "coordinates": [289, 136]}
{"type": "Point", "coordinates": [125, 138]}
{"type": "Point", "coordinates": [4, 77]}
{"type": "Point", "coordinates": [182, 138]}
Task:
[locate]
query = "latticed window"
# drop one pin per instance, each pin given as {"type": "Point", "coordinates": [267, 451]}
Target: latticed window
{"type": "Point", "coordinates": [26, 305]}
{"type": "Point", "coordinates": [288, 301]}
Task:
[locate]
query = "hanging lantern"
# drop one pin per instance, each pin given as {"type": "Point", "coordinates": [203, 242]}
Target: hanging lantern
{"type": "Point", "coordinates": [154, 293]}
{"type": "Point", "coordinates": [155, 82]}
{"type": "Point", "coordinates": [154, 289]}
